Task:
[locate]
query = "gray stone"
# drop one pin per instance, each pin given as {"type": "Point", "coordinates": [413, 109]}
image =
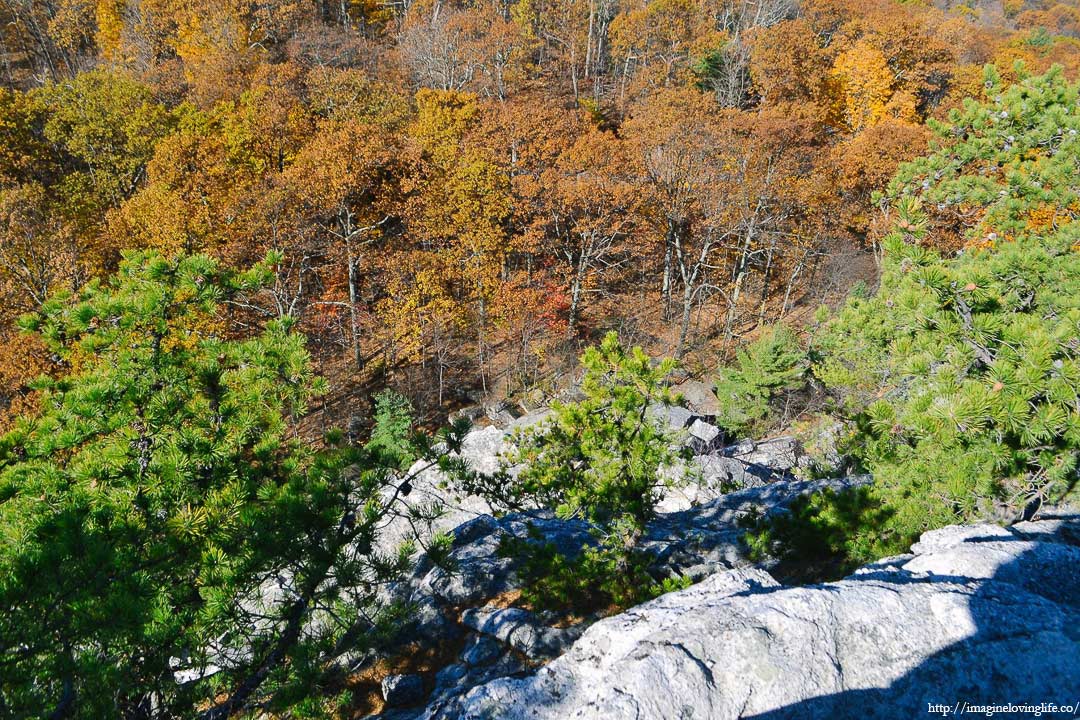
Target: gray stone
{"type": "Point", "coordinates": [977, 613]}
{"type": "Point", "coordinates": [725, 474]}
{"type": "Point", "coordinates": [695, 542]}
{"type": "Point", "coordinates": [450, 676]}
{"type": "Point", "coordinates": [704, 432]}
{"type": "Point", "coordinates": [427, 619]}
{"type": "Point", "coordinates": [472, 413]}
{"type": "Point", "coordinates": [780, 454]}
{"type": "Point", "coordinates": [699, 397]}
{"type": "Point", "coordinates": [1056, 526]}
{"type": "Point", "coordinates": [707, 538]}
{"type": "Point", "coordinates": [399, 690]}
{"type": "Point", "coordinates": [675, 416]}
{"type": "Point", "coordinates": [502, 413]}
{"type": "Point", "coordinates": [521, 630]}
{"type": "Point", "coordinates": [481, 651]}
{"type": "Point", "coordinates": [472, 530]}
{"type": "Point", "coordinates": [455, 680]}
{"type": "Point", "coordinates": [439, 508]}
{"type": "Point", "coordinates": [477, 571]}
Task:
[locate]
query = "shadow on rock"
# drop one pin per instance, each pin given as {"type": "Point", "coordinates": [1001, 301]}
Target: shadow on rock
{"type": "Point", "coordinates": [975, 614]}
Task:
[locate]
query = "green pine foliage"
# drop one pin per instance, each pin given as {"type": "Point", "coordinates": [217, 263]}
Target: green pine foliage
{"type": "Point", "coordinates": [763, 370]}
{"type": "Point", "coordinates": [600, 460]}
{"type": "Point", "coordinates": [158, 495]}
{"type": "Point", "coordinates": [821, 536]}
{"type": "Point", "coordinates": [960, 377]}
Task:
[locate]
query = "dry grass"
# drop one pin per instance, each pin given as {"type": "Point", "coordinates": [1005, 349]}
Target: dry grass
{"type": "Point", "coordinates": [366, 684]}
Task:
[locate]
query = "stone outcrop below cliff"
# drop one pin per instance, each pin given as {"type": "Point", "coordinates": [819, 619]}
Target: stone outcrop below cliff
{"type": "Point", "coordinates": [978, 614]}
{"type": "Point", "coordinates": [711, 473]}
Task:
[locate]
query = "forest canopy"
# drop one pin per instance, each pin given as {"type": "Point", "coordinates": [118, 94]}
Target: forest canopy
{"type": "Point", "coordinates": [463, 196]}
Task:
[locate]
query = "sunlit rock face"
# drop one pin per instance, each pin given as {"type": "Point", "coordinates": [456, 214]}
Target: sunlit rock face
{"type": "Point", "coordinates": [980, 614]}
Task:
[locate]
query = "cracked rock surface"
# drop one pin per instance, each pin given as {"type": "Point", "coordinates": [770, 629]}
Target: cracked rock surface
{"type": "Point", "coordinates": [977, 613]}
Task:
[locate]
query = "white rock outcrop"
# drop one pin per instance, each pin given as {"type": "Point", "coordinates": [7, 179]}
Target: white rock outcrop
{"type": "Point", "coordinates": [977, 614]}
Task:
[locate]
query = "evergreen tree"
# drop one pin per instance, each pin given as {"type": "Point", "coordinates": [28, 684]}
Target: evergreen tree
{"type": "Point", "coordinates": [960, 377]}
{"type": "Point", "coordinates": [763, 370]}
{"type": "Point", "coordinates": [170, 547]}
{"type": "Point", "coordinates": [599, 459]}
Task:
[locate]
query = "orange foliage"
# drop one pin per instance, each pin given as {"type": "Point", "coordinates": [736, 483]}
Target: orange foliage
{"type": "Point", "coordinates": [464, 191]}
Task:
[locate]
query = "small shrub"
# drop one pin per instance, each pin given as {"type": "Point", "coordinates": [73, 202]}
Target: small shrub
{"type": "Point", "coordinates": [599, 460]}
{"type": "Point", "coordinates": [763, 370]}
{"type": "Point", "coordinates": [823, 536]}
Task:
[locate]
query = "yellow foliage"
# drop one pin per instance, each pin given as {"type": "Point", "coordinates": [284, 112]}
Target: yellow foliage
{"type": "Point", "coordinates": [442, 118]}
{"type": "Point", "coordinates": [110, 24]}
{"type": "Point", "coordinates": [1045, 216]}
{"type": "Point", "coordinates": [861, 87]}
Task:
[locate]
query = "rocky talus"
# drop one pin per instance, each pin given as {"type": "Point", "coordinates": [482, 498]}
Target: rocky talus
{"type": "Point", "coordinates": [979, 614]}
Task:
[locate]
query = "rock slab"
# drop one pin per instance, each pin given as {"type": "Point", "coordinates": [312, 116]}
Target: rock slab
{"type": "Point", "coordinates": [521, 630]}
{"type": "Point", "coordinates": [977, 613]}
{"type": "Point", "coordinates": [400, 690]}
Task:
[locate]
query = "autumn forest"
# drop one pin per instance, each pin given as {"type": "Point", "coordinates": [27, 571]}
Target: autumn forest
{"type": "Point", "coordinates": [459, 196]}
{"type": "Point", "coordinates": [338, 336]}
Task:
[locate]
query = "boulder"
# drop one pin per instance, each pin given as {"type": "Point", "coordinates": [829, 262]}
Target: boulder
{"type": "Point", "coordinates": [450, 676]}
{"type": "Point", "coordinates": [482, 650]}
{"type": "Point", "coordinates": [780, 454]}
{"type": "Point", "coordinates": [521, 630]}
{"type": "Point", "coordinates": [472, 413]}
{"type": "Point", "coordinates": [696, 542]}
{"type": "Point", "coordinates": [699, 397]}
{"type": "Point", "coordinates": [477, 571]}
{"type": "Point", "coordinates": [454, 680]}
{"type": "Point", "coordinates": [502, 413]}
{"type": "Point", "coordinates": [976, 614]}
{"type": "Point", "coordinates": [727, 474]}
{"type": "Point", "coordinates": [400, 690]}
{"type": "Point", "coordinates": [675, 416]}
{"type": "Point", "coordinates": [703, 436]}
{"type": "Point", "coordinates": [707, 538]}
{"type": "Point", "coordinates": [432, 500]}
{"type": "Point", "coordinates": [435, 507]}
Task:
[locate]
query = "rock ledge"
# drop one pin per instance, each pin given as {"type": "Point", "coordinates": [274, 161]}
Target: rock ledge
{"type": "Point", "coordinates": [977, 613]}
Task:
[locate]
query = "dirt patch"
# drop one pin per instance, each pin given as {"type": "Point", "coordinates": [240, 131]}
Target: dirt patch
{"type": "Point", "coordinates": [365, 685]}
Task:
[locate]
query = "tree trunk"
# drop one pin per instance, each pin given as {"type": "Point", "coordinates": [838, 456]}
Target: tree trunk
{"type": "Point", "coordinates": [480, 346]}
{"type": "Point", "coordinates": [737, 283]}
{"type": "Point", "coordinates": [354, 325]}
{"type": "Point", "coordinates": [684, 324]}
{"type": "Point", "coordinates": [669, 253]}
{"type": "Point", "coordinates": [345, 221]}
{"type": "Point", "coordinates": [790, 285]}
{"type": "Point", "coordinates": [575, 294]}
{"type": "Point", "coordinates": [766, 276]}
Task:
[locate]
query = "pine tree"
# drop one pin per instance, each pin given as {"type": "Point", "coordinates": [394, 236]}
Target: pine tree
{"type": "Point", "coordinates": [962, 374]}
{"type": "Point", "coordinates": [599, 459]}
{"type": "Point", "coordinates": [959, 380]}
{"type": "Point", "coordinates": [766, 368]}
{"type": "Point", "coordinates": [170, 548]}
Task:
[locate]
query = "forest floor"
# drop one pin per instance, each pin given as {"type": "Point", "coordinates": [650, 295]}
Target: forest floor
{"type": "Point", "coordinates": [348, 403]}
